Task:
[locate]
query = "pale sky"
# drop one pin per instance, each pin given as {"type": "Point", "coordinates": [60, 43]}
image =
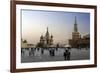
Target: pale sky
{"type": "Point", "coordinates": [34, 24]}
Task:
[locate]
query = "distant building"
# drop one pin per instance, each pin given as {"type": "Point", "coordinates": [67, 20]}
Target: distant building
{"type": "Point", "coordinates": [25, 44]}
{"type": "Point", "coordinates": [46, 40]}
{"type": "Point", "coordinates": [77, 40]}
{"type": "Point", "coordinates": [85, 41]}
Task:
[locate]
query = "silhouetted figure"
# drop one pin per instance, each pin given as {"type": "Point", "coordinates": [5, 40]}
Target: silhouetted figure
{"type": "Point", "coordinates": [38, 49]}
{"type": "Point", "coordinates": [22, 51]}
{"type": "Point", "coordinates": [34, 48]}
{"type": "Point", "coordinates": [52, 52]}
{"type": "Point", "coordinates": [56, 48]}
{"type": "Point", "coordinates": [42, 51]}
{"type": "Point", "coordinates": [66, 55]}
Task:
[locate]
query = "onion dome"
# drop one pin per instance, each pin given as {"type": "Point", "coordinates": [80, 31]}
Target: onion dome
{"type": "Point", "coordinates": [51, 36]}
{"type": "Point", "coordinates": [41, 37]}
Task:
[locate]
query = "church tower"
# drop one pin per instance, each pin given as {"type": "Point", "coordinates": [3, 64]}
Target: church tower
{"type": "Point", "coordinates": [77, 41]}
{"type": "Point", "coordinates": [47, 40]}
{"type": "Point", "coordinates": [42, 39]}
{"type": "Point", "coordinates": [47, 37]}
{"type": "Point", "coordinates": [47, 33]}
{"type": "Point", "coordinates": [75, 33]}
{"type": "Point", "coordinates": [51, 40]}
{"type": "Point", "coordinates": [75, 26]}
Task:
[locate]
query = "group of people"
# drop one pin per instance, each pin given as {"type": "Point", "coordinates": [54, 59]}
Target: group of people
{"type": "Point", "coordinates": [40, 51]}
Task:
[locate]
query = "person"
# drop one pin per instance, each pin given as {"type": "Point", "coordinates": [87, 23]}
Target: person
{"type": "Point", "coordinates": [22, 51]}
{"type": "Point", "coordinates": [38, 48]}
{"type": "Point", "coordinates": [50, 52]}
{"type": "Point", "coordinates": [57, 46]}
{"type": "Point", "coordinates": [42, 51]}
{"type": "Point", "coordinates": [66, 55]}
{"type": "Point", "coordinates": [53, 52]}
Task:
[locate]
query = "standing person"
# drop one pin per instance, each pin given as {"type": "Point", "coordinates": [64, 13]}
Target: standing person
{"type": "Point", "coordinates": [68, 55]}
{"type": "Point", "coordinates": [53, 52]}
{"type": "Point", "coordinates": [38, 48]}
{"type": "Point", "coordinates": [50, 52]}
{"type": "Point", "coordinates": [42, 51]}
{"type": "Point", "coordinates": [57, 46]}
{"type": "Point", "coordinates": [65, 55]}
{"type": "Point", "coordinates": [21, 51]}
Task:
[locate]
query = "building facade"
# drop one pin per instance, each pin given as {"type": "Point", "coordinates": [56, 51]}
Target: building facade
{"type": "Point", "coordinates": [46, 40]}
{"type": "Point", "coordinates": [77, 40]}
{"type": "Point", "coordinates": [25, 44]}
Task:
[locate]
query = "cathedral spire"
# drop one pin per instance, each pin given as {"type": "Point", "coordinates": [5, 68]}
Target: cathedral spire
{"type": "Point", "coordinates": [47, 33]}
{"type": "Point", "coordinates": [75, 25]}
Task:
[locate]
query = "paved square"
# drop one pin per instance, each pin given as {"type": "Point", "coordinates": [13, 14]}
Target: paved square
{"type": "Point", "coordinates": [40, 55]}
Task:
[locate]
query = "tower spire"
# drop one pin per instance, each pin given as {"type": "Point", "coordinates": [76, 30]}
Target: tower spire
{"type": "Point", "coordinates": [75, 25]}
{"type": "Point", "coordinates": [47, 33]}
{"type": "Point", "coordinates": [75, 20]}
{"type": "Point", "coordinates": [47, 29]}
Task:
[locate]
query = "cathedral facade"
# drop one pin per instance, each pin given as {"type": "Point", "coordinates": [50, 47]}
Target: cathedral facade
{"type": "Point", "coordinates": [46, 40]}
